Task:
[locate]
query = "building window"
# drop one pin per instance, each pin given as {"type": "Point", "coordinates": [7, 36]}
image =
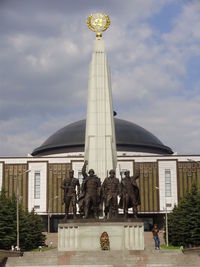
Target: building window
{"type": "Point", "coordinates": [168, 192]}
{"type": "Point", "coordinates": [37, 185]}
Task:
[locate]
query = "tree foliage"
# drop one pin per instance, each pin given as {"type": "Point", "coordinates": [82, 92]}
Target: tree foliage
{"type": "Point", "coordinates": [30, 225]}
{"type": "Point", "coordinates": [184, 221]}
{"type": "Point", "coordinates": [7, 221]}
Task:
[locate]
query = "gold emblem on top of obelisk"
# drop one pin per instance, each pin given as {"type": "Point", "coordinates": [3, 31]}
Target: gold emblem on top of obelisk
{"type": "Point", "coordinates": [98, 23]}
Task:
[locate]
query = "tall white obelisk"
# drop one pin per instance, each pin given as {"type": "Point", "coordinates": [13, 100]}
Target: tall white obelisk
{"type": "Point", "coordinates": [100, 144]}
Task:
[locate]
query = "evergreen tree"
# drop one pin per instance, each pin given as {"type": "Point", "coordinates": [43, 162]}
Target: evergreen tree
{"type": "Point", "coordinates": [36, 227]}
{"type": "Point", "coordinates": [7, 221]}
{"type": "Point", "coordinates": [195, 232]}
{"type": "Point", "coordinates": [30, 225]}
{"type": "Point", "coordinates": [184, 221]}
{"type": "Point", "coordinates": [25, 235]}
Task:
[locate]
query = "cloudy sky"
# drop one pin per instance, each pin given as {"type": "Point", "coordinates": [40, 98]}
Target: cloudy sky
{"type": "Point", "coordinates": [153, 48]}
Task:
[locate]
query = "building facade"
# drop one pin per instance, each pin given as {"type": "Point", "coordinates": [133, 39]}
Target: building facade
{"type": "Point", "coordinates": [164, 179]}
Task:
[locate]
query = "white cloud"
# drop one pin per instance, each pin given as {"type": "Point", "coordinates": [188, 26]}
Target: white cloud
{"type": "Point", "coordinates": [45, 53]}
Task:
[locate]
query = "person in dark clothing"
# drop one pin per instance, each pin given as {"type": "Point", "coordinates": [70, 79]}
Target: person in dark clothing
{"type": "Point", "coordinates": [110, 191]}
{"type": "Point", "coordinates": [90, 193]}
{"type": "Point", "coordinates": [69, 186]}
{"type": "Point", "coordinates": [130, 193]}
{"type": "Point", "coordinates": [155, 232]}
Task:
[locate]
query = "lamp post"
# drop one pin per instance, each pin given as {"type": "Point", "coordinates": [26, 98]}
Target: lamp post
{"type": "Point", "coordinates": [49, 214]}
{"type": "Point", "coordinates": [17, 206]}
{"type": "Point", "coordinates": [166, 225]}
{"type": "Point", "coordinates": [166, 219]}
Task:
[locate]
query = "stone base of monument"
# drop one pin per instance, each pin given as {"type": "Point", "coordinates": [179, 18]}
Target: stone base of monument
{"type": "Point", "coordinates": [85, 236]}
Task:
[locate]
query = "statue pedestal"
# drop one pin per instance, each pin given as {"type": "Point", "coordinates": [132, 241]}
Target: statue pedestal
{"type": "Point", "coordinates": [85, 236]}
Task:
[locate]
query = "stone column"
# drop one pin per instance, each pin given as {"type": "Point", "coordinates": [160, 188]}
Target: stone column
{"type": "Point", "coordinates": [100, 144]}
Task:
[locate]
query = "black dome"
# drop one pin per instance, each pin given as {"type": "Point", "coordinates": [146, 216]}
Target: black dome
{"type": "Point", "coordinates": [129, 137]}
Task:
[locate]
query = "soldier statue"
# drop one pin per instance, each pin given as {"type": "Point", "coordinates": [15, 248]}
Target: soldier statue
{"type": "Point", "coordinates": [130, 193]}
{"type": "Point", "coordinates": [90, 193]}
{"type": "Point", "coordinates": [69, 186]}
{"type": "Point", "coordinates": [110, 191]}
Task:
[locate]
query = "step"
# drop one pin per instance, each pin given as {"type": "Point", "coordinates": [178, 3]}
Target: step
{"type": "Point", "coordinates": [153, 258]}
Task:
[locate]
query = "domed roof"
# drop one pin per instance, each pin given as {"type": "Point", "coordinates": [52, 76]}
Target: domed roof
{"type": "Point", "coordinates": [129, 137]}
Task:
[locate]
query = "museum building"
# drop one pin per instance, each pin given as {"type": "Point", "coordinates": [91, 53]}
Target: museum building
{"type": "Point", "coordinates": [164, 176]}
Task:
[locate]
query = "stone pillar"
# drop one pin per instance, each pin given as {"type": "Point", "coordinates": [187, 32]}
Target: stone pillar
{"type": "Point", "coordinates": [100, 144]}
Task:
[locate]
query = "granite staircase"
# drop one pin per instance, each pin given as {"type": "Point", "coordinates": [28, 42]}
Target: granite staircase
{"type": "Point", "coordinates": [147, 258]}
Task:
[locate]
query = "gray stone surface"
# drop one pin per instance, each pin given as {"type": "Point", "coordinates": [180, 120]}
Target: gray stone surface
{"type": "Point", "coordinates": [107, 258]}
{"type": "Point", "coordinates": [84, 236]}
{"type": "Point", "coordinates": [149, 257]}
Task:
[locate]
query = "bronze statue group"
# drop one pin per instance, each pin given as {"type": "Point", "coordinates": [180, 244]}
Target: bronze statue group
{"type": "Point", "coordinates": [92, 195]}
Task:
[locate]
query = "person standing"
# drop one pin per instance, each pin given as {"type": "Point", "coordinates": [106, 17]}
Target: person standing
{"type": "Point", "coordinates": [155, 232]}
{"type": "Point", "coordinates": [130, 195]}
{"type": "Point", "coordinates": [69, 186]}
{"type": "Point", "coordinates": [110, 191]}
{"type": "Point", "coordinates": [90, 193]}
